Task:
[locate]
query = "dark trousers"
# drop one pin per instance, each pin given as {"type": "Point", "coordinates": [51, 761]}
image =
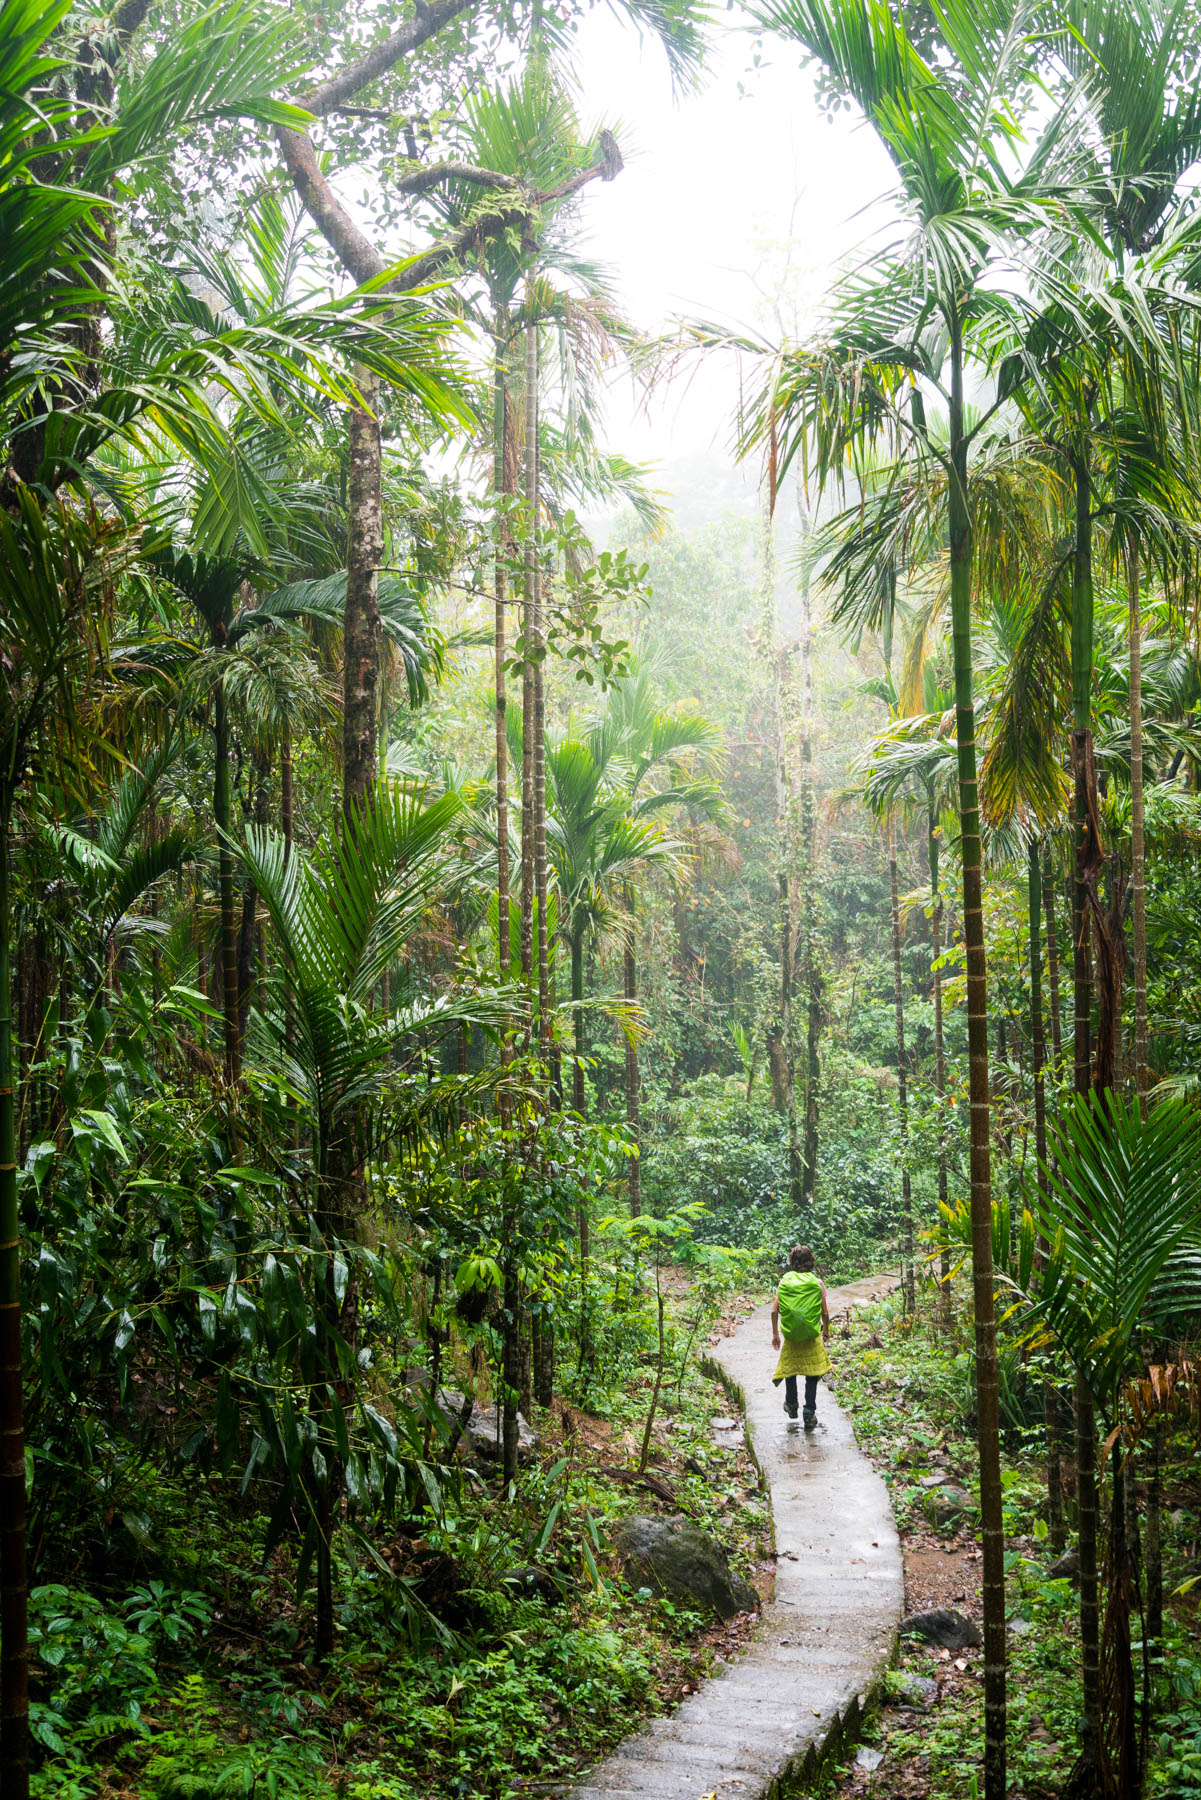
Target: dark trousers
{"type": "Point", "coordinates": [811, 1382]}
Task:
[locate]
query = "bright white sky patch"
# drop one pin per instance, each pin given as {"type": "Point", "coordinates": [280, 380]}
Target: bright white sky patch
{"type": "Point", "coordinates": [732, 207]}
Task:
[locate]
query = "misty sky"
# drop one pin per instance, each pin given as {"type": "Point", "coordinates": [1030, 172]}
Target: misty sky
{"type": "Point", "coordinates": [727, 201]}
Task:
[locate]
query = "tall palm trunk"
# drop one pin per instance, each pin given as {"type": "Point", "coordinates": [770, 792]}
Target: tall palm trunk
{"type": "Point", "coordinates": [540, 866]}
{"type": "Point", "coordinates": [340, 1178]}
{"type": "Point", "coordinates": [898, 994]}
{"type": "Point", "coordinates": [1153, 1547]}
{"type": "Point", "coordinates": [1086, 1430]}
{"type": "Point", "coordinates": [1138, 854]}
{"type": "Point", "coordinates": [14, 1577]}
{"type": "Point", "coordinates": [579, 1093]}
{"type": "Point", "coordinates": [361, 632]}
{"type": "Point", "coordinates": [633, 1084]}
{"type": "Point", "coordinates": [222, 814]}
{"type": "Point", "coordinates": [987, 1397]}
{"type": "Point", "coordinates": [785, 1059]}
{"type": "Point", "coordinates": [500, 493]}
{"type": "Point", "coordinates": [812, 972]}
{"type": "Point", "coordinates": [527, 632]}
{"type": "Point", "coordinates": [1052, 963]}
{"type": "Point", "coordinates": [1038, 1057]}
{"type": "Point", "coordinates": [940, 1048]}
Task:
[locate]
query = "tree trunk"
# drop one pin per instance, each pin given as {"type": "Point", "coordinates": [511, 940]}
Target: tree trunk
{"type": "Point", "coordinates": [1052, 963]}
{"type": "Point", "coordinates": [987, 1398]}
{"type": "Point", "coordinates": [812, 972]}
{"type": "Point", "coordinates": [510, 1362]}
{"type": "Point", "coordinates": [528, 697]}
{"type": "Point", "coordinates": [1038, 1058]}
{"type": "Point", "coordinates": [222, 811]}
{"type": "Point", "coordinates": [341, 1176]}
{"type": "Point", "coordinates": [786, 1065]}
{"type": "Point", "coordinates": [286, 819]}
{"type": "Point", "coordinates": [898, 994]}
{"type": "Point", "coordinates": [14, 1576]}
{"type": "Point", "coordinates": [500, 493]}
{"type": "Point", "coordinates": [633, 1107]}
{"type": "Point", "coordinates": [1154, 1533]}
{"type": "Point", "coordinates": [1090, 1764]}
{"type": "Point", "coordinates": [361, 625]}
{"type": "Point", "coordinates": [1138, 859]}
{"type": "Point", "coordinates": [940, 1048]}
{"type": "Point", "coordinates": [579, 1101]}
{"type": "Point", "coordinates": [540, 869]}
{"type": "Point", "coordinates": [249, 965]}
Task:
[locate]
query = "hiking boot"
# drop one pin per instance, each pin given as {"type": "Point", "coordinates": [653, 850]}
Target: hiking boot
{"type": "Point", "coordinates": [791, 1410]}
{"type": "Point", "coordinates": [810, 1420]}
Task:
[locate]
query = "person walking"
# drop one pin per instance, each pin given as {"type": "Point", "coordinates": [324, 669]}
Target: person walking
{"type": "Point", "coordinates": [800, 1311]}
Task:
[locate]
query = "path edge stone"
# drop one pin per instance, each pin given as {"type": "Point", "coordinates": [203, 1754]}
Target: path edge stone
{"type": "Point", "coordinates": [735, 1391]}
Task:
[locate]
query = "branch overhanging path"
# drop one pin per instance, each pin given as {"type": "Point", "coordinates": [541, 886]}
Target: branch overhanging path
{"type": "Point", "coordinates": [827, 1637]}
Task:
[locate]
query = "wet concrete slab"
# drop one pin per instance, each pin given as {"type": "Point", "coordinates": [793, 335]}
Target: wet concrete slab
{"type": "Point", "coordinates": [828, 1635]}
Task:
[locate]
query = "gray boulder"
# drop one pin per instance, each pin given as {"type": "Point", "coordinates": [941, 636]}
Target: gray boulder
{"type": "Point", "coordinates": [483, 1436]}
{"type": "Point", "coordinates": [677, 1559]}
{"type": "Point", "coordinates": [1065, 1567]}
{"type": "Point", "coordinates": [946, 1505]}
{"type": "Point", "coordinates": [916, 1691]}
{"type": "Point", "coordinates": [944, 1626]}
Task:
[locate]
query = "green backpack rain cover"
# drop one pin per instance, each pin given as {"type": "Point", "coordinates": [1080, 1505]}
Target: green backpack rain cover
{"type": "Point", "coordinates": [800, 1307]}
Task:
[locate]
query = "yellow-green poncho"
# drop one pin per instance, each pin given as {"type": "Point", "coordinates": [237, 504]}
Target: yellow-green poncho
{"type": "Point", "coordinates": [808, 1358]}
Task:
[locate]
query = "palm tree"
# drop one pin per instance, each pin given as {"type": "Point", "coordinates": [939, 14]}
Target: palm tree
{"type": "Point", "coordinates": [342, 917]}
{"type": "Point", "coordinates": [1120, 1205]}
{"type": "Point", "coordinates": [901, 331]}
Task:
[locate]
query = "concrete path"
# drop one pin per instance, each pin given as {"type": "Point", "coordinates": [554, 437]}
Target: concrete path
{"type": "Point", "coordinates": [758, 1731]}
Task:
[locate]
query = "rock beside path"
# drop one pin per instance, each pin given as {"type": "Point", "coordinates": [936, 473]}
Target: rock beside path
{"type": "Point", "coordinates": [1065, 1567]}
{"type": "Point", "coordinates": [946, 1504]}
{"type": "Point", "coordinates": [916, 1691]}
{"type": "Point", "coordinates": [945, 1626]}
{"type": "Point", "coordinates": [677, 1559]}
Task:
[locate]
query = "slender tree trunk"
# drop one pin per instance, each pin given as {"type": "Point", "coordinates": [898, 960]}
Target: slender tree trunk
{"type": "Point", "coordinates": [528, 698]}
{"type": "Point", "coordinates": [1090, 1766]}
{"type": "Point", "coordinates": [898, 994]}
{"type": "Point", "coordinates": [633, 1097]}
{"type": "Point", "coordinates": [222, 813]}
{"type": "Point", "coordinates": [987, 1397]}
{"type": "Point", "coordinates": [510, 1364]}
{"type": "Point", "coordinates": [500, 486]}
{"type": "Point", "coordinates": [784, 867]}
{"type": "Point", "coordinates": [1052, 963]}
{"type": "Point", "coordinates": [14, 1576]}
{"type": "Point", "coordinates": [1038, 1053]}
{"type": "Point", "coordinates": [1055, 1527]}
{"type": "Point", "coordinates": [578, 1091]}
{"type": "Point", "coordinates": [540, 868]}
{"type": "Point", "coordinates": [341, 1179]}
{"type": "Point", "coordinates": [940, 1048]}
{"type": "Point", "coordinates": [1154, 1533]}
{"type": "Point", "coordinates": [286, 820]}
{"type": "Point", "coordinates": [361, 626]}
{"type": "Point", "coordinates": [812, 973]}
{"type": "Point", "coordinates": [249, 964]}
{"type": "Point", "coordinates": [1138, 857]}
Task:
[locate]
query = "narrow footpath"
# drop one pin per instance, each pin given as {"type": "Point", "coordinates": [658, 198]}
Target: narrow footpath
{"type": "Point", "coordinates": [759, 1729]}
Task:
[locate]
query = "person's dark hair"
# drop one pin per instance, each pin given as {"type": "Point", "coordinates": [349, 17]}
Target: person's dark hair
{"type": "Point", "coordinates": [801, 1258]}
